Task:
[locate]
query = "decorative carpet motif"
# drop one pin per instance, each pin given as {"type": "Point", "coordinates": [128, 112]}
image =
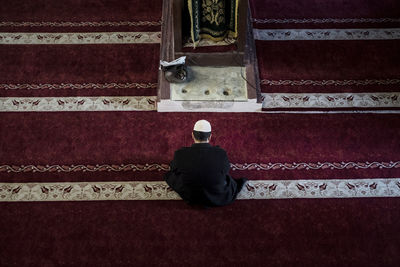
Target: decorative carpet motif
{"type": "Point", "coordinates": [279, 189]}
{"type": "Point", "coordinates": [326, 34]}
{"type": "Point", "coordinates": [315, 165]}
{"type": "Point", "coordinates": [104, 103]}
{"type": "Point", "coordinates": [331, 100]}
{"type": "Point", "coordinates": [330, 82]}
{"type": "Point", "coordinates": [20, 38]}
{"type": "Point", "coordinates": [234, 166]}
{"type": "Point", "coordinates": [214, 19]}
{"type": "Point", "coordinates": [78, 24]}
{"type": "Point", "coordinates": [326, 20]}
{"type": "Point", "coordinates": [56, 86]}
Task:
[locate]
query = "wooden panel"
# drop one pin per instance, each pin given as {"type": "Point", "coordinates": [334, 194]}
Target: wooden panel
{"type": "Point", "coordinates": [250, 61]}
{"type": "Point", "coordinates": [177, 21]}
{"type": "Point", "coordinates": [242, 24]}
{"type": "Point", "coordinates": [166, 49]}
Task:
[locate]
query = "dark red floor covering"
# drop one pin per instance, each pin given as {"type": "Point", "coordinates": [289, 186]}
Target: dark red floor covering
{"type": "Point", "coordinates": [136, 137]}
{"type": "Point", "coordinates": [343, 232]}
{"type": "Point", "coordinates": [81, 11]}
{"type": "Point", "coordinates": [79, 64]}
{"type": "Point", "coordinates": [107, 176]}
{"type": "Point", "coordinates": [328, 60]}
{"type": "Point", "coordinates": [323, 9]}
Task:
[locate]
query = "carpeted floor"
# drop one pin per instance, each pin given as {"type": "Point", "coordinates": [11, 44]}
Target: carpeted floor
{"type": "Point", "coordinates": [97, 138]}
{"type": "Point", "coordinates": [324, 188]}
{"type": "Point", "coordinates": [328, 55]}
{"type": "Point", "coordinates": [308, 66]}
{"type": "Point", "coordinates": [70, 51]}
{"type": "Point", "coordinates": [358, 232]}
{"type": "Point", "coordinates": [25, 67]}
{"type": "Point", "coordinates": [81, 16]}
{"type": "Point", "coordinates": [327, 14]}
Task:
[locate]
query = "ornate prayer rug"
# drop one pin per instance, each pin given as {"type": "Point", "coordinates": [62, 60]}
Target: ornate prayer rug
{"type": "Point", "coordinates": [212, 19]}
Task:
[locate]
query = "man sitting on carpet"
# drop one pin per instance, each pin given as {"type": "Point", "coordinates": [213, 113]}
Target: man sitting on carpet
{"type": "Point", "coordinates": [199, 174]}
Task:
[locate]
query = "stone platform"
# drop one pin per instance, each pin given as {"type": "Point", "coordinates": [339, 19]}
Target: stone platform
{"type": "Point", "coordinates": [223, 81]}
{"type": "Point", "coordinates": [212, 83]}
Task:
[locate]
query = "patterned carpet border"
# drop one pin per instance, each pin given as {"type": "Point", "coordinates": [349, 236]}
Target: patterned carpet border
{"type": "Point", "coordinates": [78, 24]}
{"type": "Point", "coordinates": [101, 103]}
{"type": "Point", "coordinates": [326, 34]}
{"type": "Point", "coordinates": [325, 20]}
{"type": "Point", "coordinates": [234, 166]}
{"type": "Point", "coordinates": [330, 82]}
{"type": "Point", "coordinates": [78, 86]}
{"type": "Point", "coordinates": [279, 189]}
{"type": "Point", "coordinates": [22, 38]}
{"type": "Point", "coordinates": [331, 100]}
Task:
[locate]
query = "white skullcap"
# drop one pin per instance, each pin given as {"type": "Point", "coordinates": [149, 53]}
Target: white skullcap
{"type": "Point", "coordinates": [202, 126]}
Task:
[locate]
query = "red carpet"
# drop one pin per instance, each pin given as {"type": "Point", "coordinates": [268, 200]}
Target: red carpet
{"type": "Point", "coordinates": [80, 16]}
{"type": "Point", "coordinates": [300, 155]}
{"type": "Point", "coordinates": [79, 49]}
{"type": "Point", "coordinates": [137, 138]}
{"type": "Point", "coordinates": [329, 60]}
{"type": "Point", "coordinates": [60, 64]}
{"type": "Point", "coordinates": [169, 233]}
{"type": "Point", "coordinates": [326, 14]}
{"type": "Point", "coordinates": [328, 54]}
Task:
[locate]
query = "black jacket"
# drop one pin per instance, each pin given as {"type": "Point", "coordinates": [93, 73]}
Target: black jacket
{"type": "Point", "coordinates": [199, 174]}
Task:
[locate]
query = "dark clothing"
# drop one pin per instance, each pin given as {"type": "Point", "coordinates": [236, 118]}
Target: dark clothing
{"type": "Point", "coordinates": [199, 174]}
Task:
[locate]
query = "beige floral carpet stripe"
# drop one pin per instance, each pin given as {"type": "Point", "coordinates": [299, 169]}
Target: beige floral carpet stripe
{"type": "Point", "coordinates": [331, 100]}
{"type": "Point", "coordinates": [26, 38]}
{"type": "Point", "coordinates": [330, 82]}
{"type": "Point", "coordinates": [325, 20]}
{"type": "Point", "coordinates": [279, 189]}
{"type": "Point", "coordinates": [55, 86]}
{"type": "Point", "coordinates": [165, 167]}
{"type": "Point", "coordinates": [78, 24]}
{"type": "Point", "coordinates": [99, 103]}
{"type": "Point", "coordinates": [326, 34]}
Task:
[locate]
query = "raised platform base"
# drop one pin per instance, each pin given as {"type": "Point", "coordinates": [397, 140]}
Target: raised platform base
{"type": "Point", "coordinates": [208, 106]}
{"type": "Point", "coordinates": [219, 93]}
{"type": "Point", "coordinates": [212, 84]}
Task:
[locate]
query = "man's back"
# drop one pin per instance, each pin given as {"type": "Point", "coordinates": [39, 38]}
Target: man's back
{"type": "Point", "coordinates": [200, 175]}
